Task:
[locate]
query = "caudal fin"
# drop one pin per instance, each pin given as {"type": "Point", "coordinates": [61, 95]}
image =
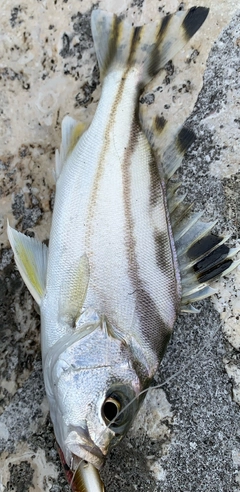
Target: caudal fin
{"type": "Point", "coordinates": [147, 48]}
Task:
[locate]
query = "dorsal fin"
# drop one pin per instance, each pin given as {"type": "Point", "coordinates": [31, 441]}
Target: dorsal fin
{"type": "Point", "coordinates": [31, 259]}
{"type": "Point", "coordinates": [207, 265]}
{"type": "Point", "coordinates": [72, 130]}
{"type": "Point", "coordinates": [202, 256]}
{"type": "Point", "coordinates": [169, 144]}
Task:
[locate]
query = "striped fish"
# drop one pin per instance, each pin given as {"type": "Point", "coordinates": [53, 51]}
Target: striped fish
{"type": "Point", "coordinates": [126, 254]}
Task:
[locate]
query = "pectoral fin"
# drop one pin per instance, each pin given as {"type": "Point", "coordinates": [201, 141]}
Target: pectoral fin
{"type": "Point", "coordinates": [31, 259]}
{"type": "Point", "coordinates": [73, 293]}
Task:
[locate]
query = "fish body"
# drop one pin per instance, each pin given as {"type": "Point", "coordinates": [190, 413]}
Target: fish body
{"type": "Point", "coordinates": [116, 217]}
{"type": "Point", "coordinates": [125, 254]}
{"type": "Point", "coordinates": [111, 219]}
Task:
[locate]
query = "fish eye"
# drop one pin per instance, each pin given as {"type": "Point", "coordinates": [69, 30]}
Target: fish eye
{"type": "Point", "coordinates": [111, 408]}
{"type": "Point", "coordinates": [116, 411]}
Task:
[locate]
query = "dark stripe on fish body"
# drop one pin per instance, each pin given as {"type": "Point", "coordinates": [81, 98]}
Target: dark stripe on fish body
{"type": "Point", "coordinates": [162, 247]}
{"type": "Point", "coordinates": [156, 333]}
{"type": "Point", "coordinates": [161, 239]}
{"type": "Point", "coordinates": [115, 29]}
{"type": "Point", "coordinates": [107, 142]}
{"type": "Point", "coordinates": [155, 186]}
{"type": "Point", "coordinates": [146, 308]}
{"type": "Point", "coordinates": [147, 311]}
{"type": "Point", "coordinates": [193, 20]}
{"type": "Point", "coordinates": [126, 177]}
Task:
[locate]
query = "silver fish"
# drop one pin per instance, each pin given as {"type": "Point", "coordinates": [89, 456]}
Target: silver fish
{"type": "Point", "coordinates": [125, 254]}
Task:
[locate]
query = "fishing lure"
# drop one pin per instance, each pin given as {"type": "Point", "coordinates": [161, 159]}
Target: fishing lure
{"type": "Point", "coordinates": [126, 254]}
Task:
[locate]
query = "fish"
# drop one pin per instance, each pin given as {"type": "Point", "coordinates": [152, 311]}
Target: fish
{"type": "Point", "coordinates": [126, 254]}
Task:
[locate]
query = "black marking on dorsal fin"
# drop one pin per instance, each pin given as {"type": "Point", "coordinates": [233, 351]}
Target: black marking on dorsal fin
{"type": "Point", "coordinates": [160, 123]}
{"type": "Point", "coordinates": [202, 261]}
{"type": "Point", "coordinates": [202, 256]}
{"type": "Point", "coordinates": [211, 260]}
{"type": "Point", "coordinates": [203, 246]}
{"type": "Point", "coordinates": [193, 20]}
{"type": "Point", "coordinates": [185, 138]}
{"type": "Point", "coordinates": [215, 272]}
{"type": "Point", "coordinates": [171, 149]}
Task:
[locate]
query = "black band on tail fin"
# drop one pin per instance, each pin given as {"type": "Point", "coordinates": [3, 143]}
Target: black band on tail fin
{"type": "Point", "coordinates": [193, 20]}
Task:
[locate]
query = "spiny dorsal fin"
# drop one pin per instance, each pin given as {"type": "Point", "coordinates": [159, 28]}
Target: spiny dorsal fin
{"type": "Point", "coordinates": [209, 264]}
{"type": "Point", "coordinates": [72, 130]}
{"type": "Point", "coordinates": [31, 259]}
{"type": "Point", "coordinates": [202, 256]}
{"type": "Point", "coordinates": [147, 48]}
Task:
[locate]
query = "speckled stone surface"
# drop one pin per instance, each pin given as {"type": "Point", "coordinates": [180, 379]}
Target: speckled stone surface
{"type": "Point", "coordinates": [187, 435]}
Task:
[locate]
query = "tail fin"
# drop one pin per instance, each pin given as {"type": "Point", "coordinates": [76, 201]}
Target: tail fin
{"type": "Point", "coordinates": [148, 48]}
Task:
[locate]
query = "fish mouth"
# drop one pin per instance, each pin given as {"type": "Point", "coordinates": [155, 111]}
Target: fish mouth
{"type": "Point", "coordinates": [94, 456]}
{"type": "Point", "coordinates": [79, 446]}
{"type": "Point", "coordinates": [85, 478]}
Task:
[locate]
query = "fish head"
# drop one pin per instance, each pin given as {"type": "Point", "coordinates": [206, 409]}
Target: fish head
{"type": "Point", "coordinates": [93, 386]}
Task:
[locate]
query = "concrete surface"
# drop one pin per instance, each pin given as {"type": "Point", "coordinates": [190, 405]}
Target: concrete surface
{"type": "Point", "coordinates": [187, 436]}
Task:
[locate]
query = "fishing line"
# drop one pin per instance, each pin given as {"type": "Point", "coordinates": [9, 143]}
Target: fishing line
{"type": "Point", "coordinates": [158, 386]}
